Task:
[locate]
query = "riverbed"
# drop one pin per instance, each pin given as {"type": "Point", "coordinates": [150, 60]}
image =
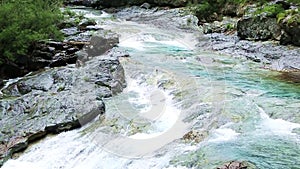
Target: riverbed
{"type": "Point", "coordinates": [239, 110]}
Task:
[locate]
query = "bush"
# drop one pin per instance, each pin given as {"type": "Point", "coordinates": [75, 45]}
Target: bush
{"type": "Point", "coordinates": [270, 10]}
{"type": "Point", "coordinates": [23, 23]}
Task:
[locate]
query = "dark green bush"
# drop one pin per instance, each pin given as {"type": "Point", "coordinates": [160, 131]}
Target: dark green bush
{"type": "Point", "coordinates": [23, 23]}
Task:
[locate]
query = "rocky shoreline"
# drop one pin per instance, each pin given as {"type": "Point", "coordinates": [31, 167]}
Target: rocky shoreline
{"type": "Point", "coordinates": [39, 103]}
{"type": "Point", "coordinates": [270, 53]}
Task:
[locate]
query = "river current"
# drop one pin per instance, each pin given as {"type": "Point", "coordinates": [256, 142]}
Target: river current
{"type": "Point", "coordinates": [238, 110]}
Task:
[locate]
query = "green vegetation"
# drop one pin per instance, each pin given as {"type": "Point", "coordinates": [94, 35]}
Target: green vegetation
{"type": "Point", "coordinates": [290, 16]}
{"type": "Point", "coordinates": [23, 23]}
{"type": "Point", "coordinates": [210, 10]}
{"type": "Point", "coordinates": [270, 10]}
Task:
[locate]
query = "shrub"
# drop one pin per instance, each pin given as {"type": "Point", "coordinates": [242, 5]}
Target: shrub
{"type": "Point", "coordinates": [23, 23]}
{"type": "Point", "coordinates": [270, 10]}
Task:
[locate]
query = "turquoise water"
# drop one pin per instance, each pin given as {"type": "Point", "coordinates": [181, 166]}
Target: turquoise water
{"type": "Point", "coordinates": [249, 94]}
{"type": "Point", "coordinates": [246, 112]}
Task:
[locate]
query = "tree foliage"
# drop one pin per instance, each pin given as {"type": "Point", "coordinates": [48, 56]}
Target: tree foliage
{"type": "Point", "coordinates": [23, 23]}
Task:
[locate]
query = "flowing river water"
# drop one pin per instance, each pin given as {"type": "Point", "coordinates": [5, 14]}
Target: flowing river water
{"type": "Point", "coordinates": [238, 110]}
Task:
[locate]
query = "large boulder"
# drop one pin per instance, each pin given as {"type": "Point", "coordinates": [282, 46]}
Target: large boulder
{"type": "Point", "coordinates": [56, 100]}
{"type": "Point", "coordinates": [102, 42]}
{"type": "Point", "coordinates": [291, 31]}
{"type": "Point", "coordinates": [258, 28]}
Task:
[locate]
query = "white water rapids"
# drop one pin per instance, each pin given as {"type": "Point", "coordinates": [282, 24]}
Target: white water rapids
{"type": "Point", "coordinates": [173, 89]}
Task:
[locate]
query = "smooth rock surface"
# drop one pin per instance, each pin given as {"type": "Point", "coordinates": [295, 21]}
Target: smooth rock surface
{"type": "Point", "coordinates": [40, 104]}
{"type": "Point", "coordinates": [272, 55]}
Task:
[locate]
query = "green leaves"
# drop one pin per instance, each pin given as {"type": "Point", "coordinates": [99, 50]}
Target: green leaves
{"type": "Point", "coordinates": [23, 22]}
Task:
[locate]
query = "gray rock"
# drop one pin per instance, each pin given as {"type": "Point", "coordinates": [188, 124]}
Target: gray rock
{"type": "Point", "coordinates": [291, 32]}
{"type": "Point", "coordinates": [56, 100]}
{"type": "Point", "coordinates": [70, 31]}
{"type": "Point", "coordinates": [102, 42]}
{"type": "Point", "coordinates": [238, 165]}
{"type": "Point", "coordinates": [273, 56]}
{"type": "Point", "coordinates": [258, 28]}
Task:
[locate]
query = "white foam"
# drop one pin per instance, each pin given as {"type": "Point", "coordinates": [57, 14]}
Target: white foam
{"type": "Point", "coordinates": [278, 126]}
{"type": "Point", "coordinates": [160, 109]}
{"type": "Point", "coordinates": [137, 42]}
{"type": "Point", "coordinates": [15, 164]}
{"type": "Point", "coordinates": [132, 43]}
{"type": "Point", "coordinates": [223, 134]}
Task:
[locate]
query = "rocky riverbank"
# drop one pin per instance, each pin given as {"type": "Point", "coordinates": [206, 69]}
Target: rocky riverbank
{"type": "Point", "coordinates": [218, 36]}
{"type": "Point", "coordinates": [252, 30]}
{"type": "Point", "coordinates": [77, 31]}
{"type": "Point", "coordinates": [55, 99]}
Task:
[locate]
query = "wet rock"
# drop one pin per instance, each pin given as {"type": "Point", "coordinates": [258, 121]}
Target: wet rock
{"type": "Point", "coordinates": [56, 45]}
{"type": "Point", "coordinates": [93, 28]}
{"type": "Point", "coordinates": [258, 28]}
{"type": "Point", "coordinates": [194, 136]}
{"type": "Point", "coordinates": [237, 165]}
{"type": "Point", "coordinates": [70, 31]}
{"type": "Point", "coordinates": [102, 42]}
{"type": "Point", "coordinates": [174, 17]}
{"type": "Point", "coordinates": [272, 55]}
{"type": "Point", "coordinates": [56, 100]}
{"type": "Point", "coordinates": [81, 37]}
{"type": "Point", "coordinates": [62, 59]}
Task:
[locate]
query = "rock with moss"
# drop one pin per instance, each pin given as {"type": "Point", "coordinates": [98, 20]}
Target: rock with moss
{"type": "Point", "coordinates": [258, 28]}
{"type": "Point", "coordinates": [290, 24]}
{"type": "Point", "coordinates": [238, 165]}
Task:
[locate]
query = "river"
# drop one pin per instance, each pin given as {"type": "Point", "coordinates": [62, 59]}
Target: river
{"type": "Point", "coordinates": [238, 110]}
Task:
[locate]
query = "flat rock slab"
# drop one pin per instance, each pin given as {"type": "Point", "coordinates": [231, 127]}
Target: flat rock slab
{"type": "Point", "coordinates": [56, 100]}
{"type": "Point", "coordinates": [274, 56]}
